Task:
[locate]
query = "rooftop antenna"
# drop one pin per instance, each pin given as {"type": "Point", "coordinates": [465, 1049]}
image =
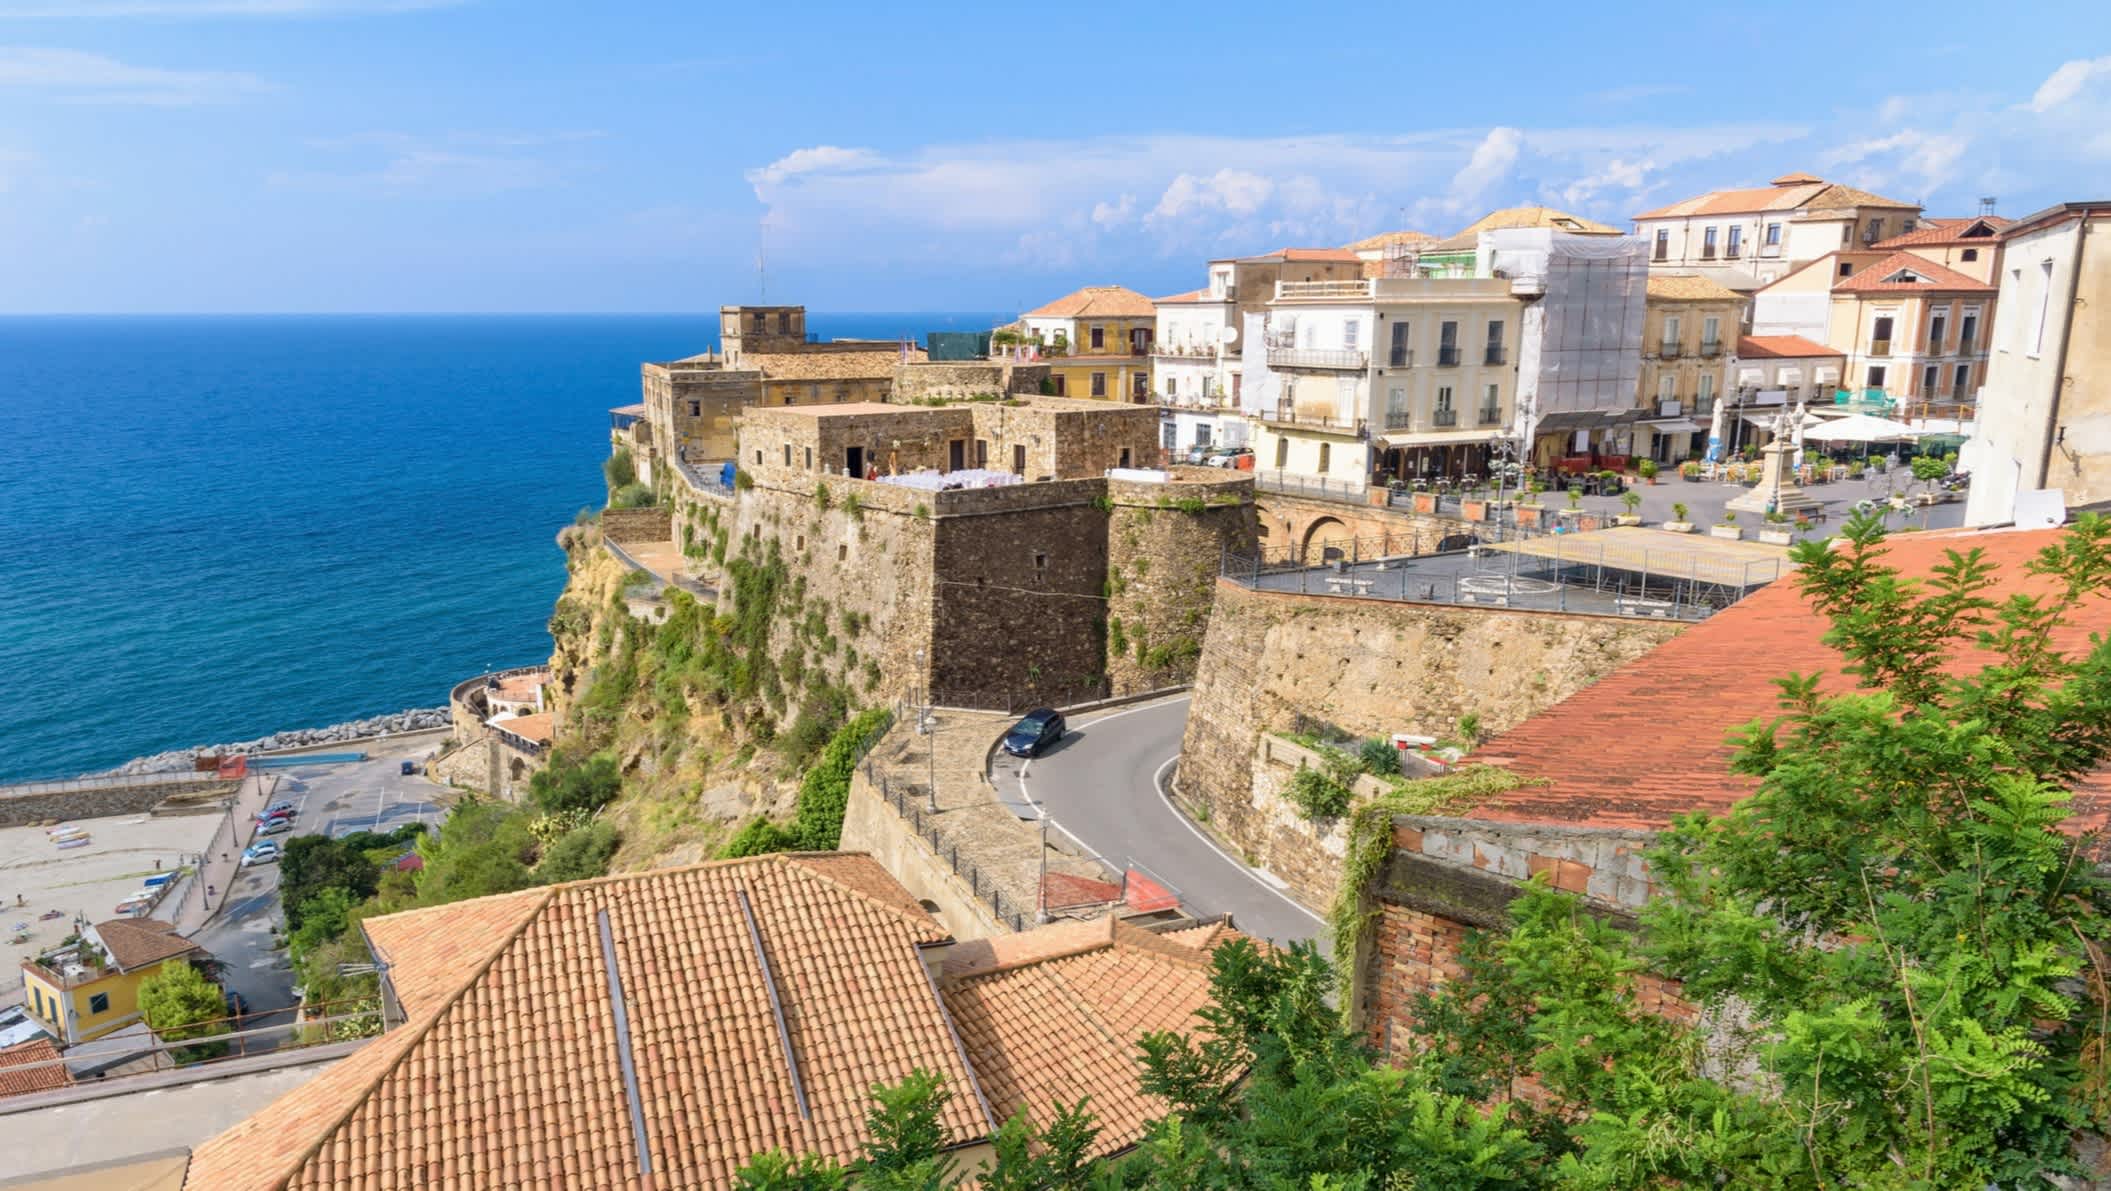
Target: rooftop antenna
{"type": "Point", "coordinates": [1986, 204]}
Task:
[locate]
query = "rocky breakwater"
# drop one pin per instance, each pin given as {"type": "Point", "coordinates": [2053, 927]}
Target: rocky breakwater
{"type": "Point", "coordinates": [184, 760]}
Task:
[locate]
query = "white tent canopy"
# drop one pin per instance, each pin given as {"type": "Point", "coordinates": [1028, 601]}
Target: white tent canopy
{"type": "Point", "coordinates": [1862, 428]}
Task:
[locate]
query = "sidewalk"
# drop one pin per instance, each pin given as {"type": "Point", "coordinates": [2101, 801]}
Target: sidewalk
{"type": "Point", "coordinates": [222, 859]}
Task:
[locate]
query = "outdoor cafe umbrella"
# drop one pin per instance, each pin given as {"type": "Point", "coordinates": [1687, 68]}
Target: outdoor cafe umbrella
{"type": "Point", "coordinates": [1863, 428]}
{"type": "Point", "coordinates": [1715, 434]}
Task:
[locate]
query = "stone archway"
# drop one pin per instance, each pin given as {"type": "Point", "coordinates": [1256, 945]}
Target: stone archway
{"type": "Point", "coordinates": [1322, 533]}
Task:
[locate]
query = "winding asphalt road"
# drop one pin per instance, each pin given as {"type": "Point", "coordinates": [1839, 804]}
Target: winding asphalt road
{"type": "Point", "coordinates": [1102, 785]}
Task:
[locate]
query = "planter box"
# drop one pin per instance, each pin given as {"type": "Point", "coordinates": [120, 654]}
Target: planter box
{"type": "Point", "coordinates": [1678, 527]}
{"type": "Point", "coordinates": [1474, 510]}
{"type": "Point", "coordinates": [1425, 502]}
{"type": "Point", "coordinates": [1777, 537]}
{"type": "Point", "coordinates": [1379, 498]}
{"type": "Point", "coordinates": [1531, 515]}
{"type": "Point", "coordinates": [1728, 533]}
{"type": "Point", "coordinates": [1627, 519]}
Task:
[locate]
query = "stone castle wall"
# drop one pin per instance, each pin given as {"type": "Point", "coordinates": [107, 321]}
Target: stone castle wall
{"type": "Point", "coordinates": [1018, 608]}
{"type": "Point", "coordinates": [966, 378]}
{"type": "Point", "coordinates": [1165, 545]}
{"type": "Point", "coordinates": [655, 524]}
{"type": "Point", "coordinates": [90, 801]}
{"type": "Point", "coordinates": [1370, 668]}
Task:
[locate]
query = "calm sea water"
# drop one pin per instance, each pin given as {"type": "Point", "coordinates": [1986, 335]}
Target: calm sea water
{"type": "Point", "coordinates": [215, 528]}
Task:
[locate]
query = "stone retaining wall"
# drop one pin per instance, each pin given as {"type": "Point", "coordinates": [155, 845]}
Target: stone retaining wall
{"type": "Point", "coordinates": [655, 524]}
{"type": "Point", "coordinates": [25, 810]}
{"type": "Point", "coordinates": [1369, 668]}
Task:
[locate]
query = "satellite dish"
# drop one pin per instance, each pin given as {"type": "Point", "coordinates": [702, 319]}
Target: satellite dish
{"type": "Point", "coordinates": [1230, 333]}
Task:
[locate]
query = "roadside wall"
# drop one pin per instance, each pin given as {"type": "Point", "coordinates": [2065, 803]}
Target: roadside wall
{"type": "Point", "coordinates": [870, 825]}
{"type": "Point", "coordinates": [1369, 668]}
{"type": "Point", "coordinates": [1165, 545]}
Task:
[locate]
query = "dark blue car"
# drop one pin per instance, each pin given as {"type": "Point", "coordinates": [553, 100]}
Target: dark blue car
{"type": "Point", "coordinates": [1032, 735]}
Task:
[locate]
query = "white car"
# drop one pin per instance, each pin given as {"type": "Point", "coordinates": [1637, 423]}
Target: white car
{"type": "Point", "coordinates": [263, 853]}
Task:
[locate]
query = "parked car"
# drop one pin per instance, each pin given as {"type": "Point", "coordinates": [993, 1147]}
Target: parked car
{"type": "Point", "coordinates": [1031, 736]}
{"type": "Point", "coordinates": [276, 826]}
{"type": "Point", "coordinates": [410, 769]}
{"type": "Point", "coordinates": [262, 852]}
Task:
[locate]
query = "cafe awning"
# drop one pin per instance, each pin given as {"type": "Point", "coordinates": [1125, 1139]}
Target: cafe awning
{"type": "Point", "coordinates": [1437, 438]}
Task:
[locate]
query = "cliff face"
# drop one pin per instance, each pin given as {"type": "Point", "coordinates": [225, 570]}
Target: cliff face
{"type": "Point", "coordinates": [692, 768]}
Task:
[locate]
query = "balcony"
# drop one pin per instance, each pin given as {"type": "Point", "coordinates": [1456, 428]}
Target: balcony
{"type": "Point", "coordinates": [1489, 415]}
{"type": "Point", "coordinates": [1447, 357]}
{"type": "Point", "coordinates": [1317, 357]}
{"type": "Point", "coordinates": [1186, 351]}
{"type": "Point", "coordinates": [1399, 419]}
{"type": "Point", "coordinates": [1322, 289]}
{"type": "Point", "coordinates": [1495, 355]}
{"type": "Point", "coordinates": [1770, 250]}
{"type": "Point", "coordinates": [1670, 351]}
{"type": "Point", "coordinates": [1964, 345]}
{"type": "Point", "coordinates": [1710, 349]}
{"type": "Point", "coordinates": [1400, 357]}
{"type": "Point", "coordinates": [1285, 414]}
{"type": "Point", "coordinates": [1731, 253]}
{"type": "Point", "coordinates": [1443, 417]}
{"type": "Point", "coordinates": [1880, 347]}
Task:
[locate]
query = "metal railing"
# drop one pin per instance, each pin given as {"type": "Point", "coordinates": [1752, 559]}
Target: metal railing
{"type": "Point", "coordinates": [1317, 357]}
{"type": "Point", "coordinates": [1495, 355]}
{"type": "Point", "coordinates": [1443, 417]}
{"type": "Point", "coordinates": [1187, 351]}
{"type": "Point", "coordinates": [1490, 415]}
{"type": "Point", "coordinates": [1447, 357]}
{"type": "Point", "coordinates": [1313, 487]}
{"type": "Point", "coordinates": [1401, 357]}
{"type": "Point", "coordinates": [112, 781]}
{"type": "Point", "coordinates": [1322, 289]}
{"type": "Point", "coordinates": [1880, 347]}
{"type": "Point", "coordinates": [910, 802]}
{"type": "Point", "coordinates": [1016, 701]}
{"type": "Point", "coordinates": [707, 484]}
{"type": "Point", "coordinates": [1324, 419]}
{"type": "Point", "coordinates": [1710, 349]}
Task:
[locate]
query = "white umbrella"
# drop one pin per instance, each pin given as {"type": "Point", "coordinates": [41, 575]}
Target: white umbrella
{"type": "Point", "coordinates": [1862, 428]}
{"type": "Point", "coordinates": [1715, 432]}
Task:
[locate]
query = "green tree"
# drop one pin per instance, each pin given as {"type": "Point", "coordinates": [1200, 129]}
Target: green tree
{"type": "Point", "coordinates": [180, 1004]}
{"type": "Point", "coordinates": [578, 855]}
{"type": "Point", "coordinates": [310, 864]}
{"type": "Point", "coordinates": [619, 469]}
{"type": "Point", "coordinates": [572, 783]}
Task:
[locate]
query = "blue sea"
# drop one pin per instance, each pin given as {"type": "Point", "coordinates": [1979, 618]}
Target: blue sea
{"type": "Point", "coordinates": [214, 528]}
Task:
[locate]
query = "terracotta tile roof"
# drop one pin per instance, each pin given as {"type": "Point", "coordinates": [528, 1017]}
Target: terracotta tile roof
{"type": "Point", "coordinates": [520, 686]}
{"type": "Point", "coordinates": [1095, 301]}
{"type": "Point", "coordinates": [1929, 277]}
{"type": "Point", "coordinates": [1193, 295]}
{"type": "Point", "coordinates": [1685, 287]}
{"type": "Point", "coordinates": [540, 727]}
{"type": "Point", "coordinates": [1338, 255]}
{"type": "Point", "coordinates": [876, 364]}
{"type": "Point", "coordinates": [137, 942]}
{"type": "Point", "coordinates": [1389, 239]}
{"type": "Point", "coordinates": [16, 1079]}
{"type": "Point", "coordinates": [1790, 192]}
{"type": "Point", "coordinates": [507, 1071]}
{"type": "Point", "coordinates": [1949, 231]}
{"type": "Point", "coordinates": [1648, 741]}
{"type": "Point", "coordinates": [1782, 347]}
{"type": "Point", "coordinates": [1057, 1012]}
{"type": "Point", "coordinates": [1521, 217]}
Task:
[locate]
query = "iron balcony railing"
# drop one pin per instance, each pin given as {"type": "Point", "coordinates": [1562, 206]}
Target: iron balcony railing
{"type": "Point", "coordinates": [1670, 351]}
{"type": "Point", "coordinates": [1323, 289]}
{"type": "Point", "coordinates": [1447, 357]}
{"type": "Point", "coordinates": [1401, 357]}
{"type": "Point", "coordinates": [1286, 414]}
{"type": "Point", "coordinates": [1444, 417]}
{"type": "Point", "coordinates": [1710, 349]}
{"type": "Point", "coordinates": [1399, 419]}
{"type": "Point", "coordinates": [1317, 357]}
{"type": "Point", "coordinates": [1490, 415]}
{"type": "Point", "coordinates": [1880, 347]}
{"type": "Point", "coordinates": [1495, 355]}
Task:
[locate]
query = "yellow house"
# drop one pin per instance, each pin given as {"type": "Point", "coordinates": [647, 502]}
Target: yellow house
{"type": "Point", "coordinates": [1097, 342]}
{"type": "Point", "coordinates": [90, 987]}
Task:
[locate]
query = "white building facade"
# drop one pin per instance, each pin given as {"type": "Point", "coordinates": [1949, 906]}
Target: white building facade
{"type": "Point", "coordinates": [1750, 237]}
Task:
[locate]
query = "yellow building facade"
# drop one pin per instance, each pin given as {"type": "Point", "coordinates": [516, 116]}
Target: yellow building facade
{"type": "Point", "coordinates": [90, 987]}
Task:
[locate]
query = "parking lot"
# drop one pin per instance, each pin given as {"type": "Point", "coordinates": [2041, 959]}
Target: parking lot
{"type": "Point", "coordinates": [329, 799]}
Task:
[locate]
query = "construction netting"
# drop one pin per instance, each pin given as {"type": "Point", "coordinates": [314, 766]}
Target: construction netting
{"type": "Point", "coordinates": [1588, 353]}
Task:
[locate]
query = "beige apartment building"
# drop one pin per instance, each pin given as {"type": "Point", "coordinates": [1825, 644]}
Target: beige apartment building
{"type": "Point", "coordinates": [1689, 345]}
{"type": "Point", "coordinates": [1383, 378]}
{"type": "Point", "coordinates": [2045, 411]}
{"type": "Point", "coordinates": [1749, 237]}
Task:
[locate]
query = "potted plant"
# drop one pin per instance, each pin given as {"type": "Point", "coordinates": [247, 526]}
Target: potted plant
{"type": "Point", "coordinates": [1678, 523]}
{"type": "Point", "coordinates": [1726, 528]}
{"type": "Point", "coordinates": [1425, 502]}
{"type": "Point", "coordinates": [1569, 516]}
{"type": "Point", "coordinates": [1632, 500]}
{"type": "Point", "coordinates": [1776, 531]}
{"type": "Point", "coordinates": [1647, 469]}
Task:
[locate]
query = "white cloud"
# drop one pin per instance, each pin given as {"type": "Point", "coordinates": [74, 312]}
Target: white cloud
{"type": "Point", "coordinates": [76, 76]}
{"type": "Point", "coordinates": [1114, 214]}
{"type": "Point", "coordinates": [459, 164]}
{"type": "Point", "coordinates": [1490, 164]}
{"type": "Point", "coordinates": [1234, 192]}
{"type": "Point", "coordinates": [1926, 159]}
{"type": "Point", "coordinates": [817, 160]}
{"type": "Point", "coordinates": [2067, 82]}
{"type": "Point", "coordinates": [44, 9]}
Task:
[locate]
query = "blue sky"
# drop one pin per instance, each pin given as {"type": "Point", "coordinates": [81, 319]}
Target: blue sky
{"type": "Point", "coordinates": [413, 155]}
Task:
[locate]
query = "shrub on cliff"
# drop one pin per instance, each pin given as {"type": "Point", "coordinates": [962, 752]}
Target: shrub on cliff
{"type": "Point", "coordinates": [578, 855]}
{"type": "Point", "coordinates": [620, 470]}
{"type": "Point", "coordinates": [570, 783]}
